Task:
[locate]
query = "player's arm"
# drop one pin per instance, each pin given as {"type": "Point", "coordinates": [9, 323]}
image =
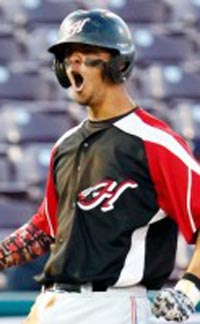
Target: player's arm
{"type": "Point", "coordinates": [177, 304]}
{"type": "Point", "coordinates": [176, 175]}
{"type": "Point", "coordinates": [195, 261]}
{"type": "Point", "coordinates": [23, 245]}
{"type": "Point", "coordinates": [35, 237]}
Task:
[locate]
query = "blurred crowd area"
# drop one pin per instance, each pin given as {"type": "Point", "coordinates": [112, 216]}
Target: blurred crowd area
{"type": "Point", "coordinates": [35, 111]}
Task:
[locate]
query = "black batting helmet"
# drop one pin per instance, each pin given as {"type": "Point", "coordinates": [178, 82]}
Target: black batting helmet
{"type": "Point", "coordinates": [100, 28]}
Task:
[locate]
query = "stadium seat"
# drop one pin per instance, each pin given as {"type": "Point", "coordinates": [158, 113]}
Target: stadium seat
{"type": "Point", "coordinates": [185, 118]}
{"type": "Point", "coordinates": [36, 12]}
{"type": "Point", "coordinates": [30, 163]}
{"type": "Point", "coordinates": [163, 45]}
{"type": "Point", "coordinates": [45, 106]}
{"type": "Point", "coordinates": [9, 185]}
{"type": "Point", "coordinates": [184, 11]}
{"type": "Point", "coordinates": [4, 169]}
{"type": "Point", "coordinates": [5, 165]}
{"type": "Point", "coordinates": [22, 84]}
{"type": "Point", "coordinates": [171, 82]}
{"type": "Point", "coordinates": [156, 108]}
{"type": "Point", "coordinates": [196, 11]}
{"type": "Point", "coordinates": [15, 213]}
{"type": "Point", "coordinates": [143, 11]}
{"type": "Point", "coordinates": [38, 40]}
{"type": "Point", "coordinates": [9, 10]}
{"type": "Point", "coordinates": [9, 50]}
{"type": "Point", "coordinates": [21, 126]}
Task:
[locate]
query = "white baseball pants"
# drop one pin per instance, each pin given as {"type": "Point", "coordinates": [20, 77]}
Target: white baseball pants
{"type": "Point", "coordinates": [114, 306]}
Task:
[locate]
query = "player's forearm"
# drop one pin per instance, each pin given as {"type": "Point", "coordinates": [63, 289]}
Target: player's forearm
{"type": "Point", "coordinates": [177, 304]}
{"type": "Point", "coordinates": [190, 283]}
{"type": "Point", "coordinates": [194, 266]}
{"type": "Point", "coordinates": [23, 245]}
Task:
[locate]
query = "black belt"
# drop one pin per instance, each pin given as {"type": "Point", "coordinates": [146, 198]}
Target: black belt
{"type": "Point", "coordinates": [74, 287]}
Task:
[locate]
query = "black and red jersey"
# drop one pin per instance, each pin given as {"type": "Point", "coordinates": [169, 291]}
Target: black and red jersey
{"type": "Point", "coordinates": [117, 193]}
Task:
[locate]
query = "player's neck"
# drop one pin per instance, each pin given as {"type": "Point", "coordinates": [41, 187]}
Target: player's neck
{"type": "Point", "coordinates": [114, 103]}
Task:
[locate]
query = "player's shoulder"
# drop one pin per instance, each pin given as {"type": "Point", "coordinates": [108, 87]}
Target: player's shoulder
{"type": "Point", "coordinates": [72, 131]}
{"type": "Point", "coordinates": [140, 115]}
{"type": "Point", "coordinates": [152, 130]}
{"type": "Point", "coordinates": [144, 124]}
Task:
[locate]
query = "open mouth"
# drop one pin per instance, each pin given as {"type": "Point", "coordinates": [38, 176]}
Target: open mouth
{"type": "Point", "coordinates": [78, 81]}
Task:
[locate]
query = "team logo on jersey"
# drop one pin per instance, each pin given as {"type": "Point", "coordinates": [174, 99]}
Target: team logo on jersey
{"type": "Point", "coordinates": [104, 194]}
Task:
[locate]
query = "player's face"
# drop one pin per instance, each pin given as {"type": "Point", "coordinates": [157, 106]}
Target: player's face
{"type": "Point", "coordinates": [84, 70]}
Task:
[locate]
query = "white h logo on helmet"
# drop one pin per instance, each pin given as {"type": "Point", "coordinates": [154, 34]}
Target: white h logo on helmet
{"type": "Point", "coordinates": [76, 27]}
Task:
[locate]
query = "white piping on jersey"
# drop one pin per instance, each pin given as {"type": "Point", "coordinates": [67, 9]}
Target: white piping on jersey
{"type": "Point", "coordinates": [133, 269]}
{"type": "Point", "coordinates": [189, 200]}
{"type": "Point", "coordinates": [68, 133]}
{"type": "Point", "coordinates": [134, 125]}
{"type": "Point", "coordinates": [158, 216]}
{"type": "Point", "coordinates": [48, 218]}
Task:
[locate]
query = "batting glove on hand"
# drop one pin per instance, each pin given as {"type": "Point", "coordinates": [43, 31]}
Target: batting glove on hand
{"type": "Point", "coordinates": [173, 305]}
{"type": "Point", "coordinates": [178, 303]}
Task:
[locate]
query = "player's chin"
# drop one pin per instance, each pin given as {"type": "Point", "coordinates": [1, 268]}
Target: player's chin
{"type": "Point", "coordinates": [80, 98]}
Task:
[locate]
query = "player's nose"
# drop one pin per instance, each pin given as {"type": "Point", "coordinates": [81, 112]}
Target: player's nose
{"type": "Point", "coordinates": [74, 61]}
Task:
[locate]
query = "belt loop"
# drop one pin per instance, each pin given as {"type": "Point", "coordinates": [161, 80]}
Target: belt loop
{"type": "Point", "coordinates": [86, 287]}
{"type": "Point", "coordinates": [43, 289]}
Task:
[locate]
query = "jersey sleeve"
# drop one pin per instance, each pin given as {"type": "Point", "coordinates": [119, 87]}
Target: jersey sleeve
{"type": "Point", "coordinates": [176, 176]}
{"type": "Point", "coordinates": [45, 218]}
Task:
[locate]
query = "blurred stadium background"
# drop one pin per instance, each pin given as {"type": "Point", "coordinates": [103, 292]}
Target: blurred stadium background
{"type": "Point", "coordinates": [35, 110]}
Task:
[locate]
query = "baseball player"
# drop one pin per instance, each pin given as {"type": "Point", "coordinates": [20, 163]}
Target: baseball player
{"type": "Point", "coordinates": [120, 186]}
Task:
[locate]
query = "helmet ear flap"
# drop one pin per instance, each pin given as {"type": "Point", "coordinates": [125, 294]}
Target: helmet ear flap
{"type": "Point", "coordinates": [114, 69]}
{"type": "Point", "coordinates": [111, 72]}
{"type": "Point", "coordinates": [60, 72]}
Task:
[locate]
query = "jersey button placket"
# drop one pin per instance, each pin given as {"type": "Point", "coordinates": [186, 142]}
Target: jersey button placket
{"type": "Point", "coordinates": [85, 145]}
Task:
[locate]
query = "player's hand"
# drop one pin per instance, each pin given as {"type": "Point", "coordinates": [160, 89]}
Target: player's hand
{"type": "Point", "coordinates": [173, 305]}
{"type": "Point", "coordinates": [178, 303]}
